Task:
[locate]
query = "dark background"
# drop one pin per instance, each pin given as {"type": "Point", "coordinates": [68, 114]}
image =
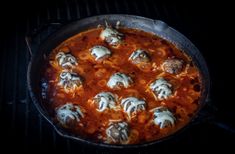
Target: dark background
{"type": "Point", "coordinates": [208, 26]}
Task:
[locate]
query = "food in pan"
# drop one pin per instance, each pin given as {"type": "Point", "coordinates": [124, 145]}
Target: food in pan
{"type": "Point", "coordinates": [120, 86]}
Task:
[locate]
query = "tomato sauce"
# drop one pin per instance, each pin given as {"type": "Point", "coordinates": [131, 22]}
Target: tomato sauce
{"type": "Point", "coordinates": [186, 85]}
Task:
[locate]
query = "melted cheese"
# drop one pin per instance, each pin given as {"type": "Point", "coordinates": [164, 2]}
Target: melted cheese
{"type": "Point", "coordinates": [147, 88]}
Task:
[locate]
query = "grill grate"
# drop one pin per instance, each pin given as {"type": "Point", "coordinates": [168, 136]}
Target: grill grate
{"type": "Point", "coordinates": [23, 123]}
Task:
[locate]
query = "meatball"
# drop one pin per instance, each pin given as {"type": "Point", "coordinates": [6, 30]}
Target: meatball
{"type": "Point", "coordinates": [69, 81]}
{"type": "Point", "coordinates": [163, 117]}
{"type": "Point", "coordinates": [66, 60]}
{"type": "Point", "coordinates": [139, 57]}
{"type": "Point", "coordinates": [172, 66]}
{"type": "Point", "coordinates": [117, 132]}
{"type": "Point", "coordinates": [161, 89]}
{"type": "Point", "coordinates": [69, 114]}
{"type": "Point", "coordinates": [118, 80]}
{"type": "Point", "coordinates": [105, 100]}
{"type": "Point", "coordinates": [111, 36]}
{"type": "Point", "coordinates": [100, 52]}
{"type": "Point", "coordinates": [132, 105]}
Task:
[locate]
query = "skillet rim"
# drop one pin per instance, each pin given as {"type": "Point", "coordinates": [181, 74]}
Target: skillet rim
{"type": "Point", "coordinates": [198, 58]}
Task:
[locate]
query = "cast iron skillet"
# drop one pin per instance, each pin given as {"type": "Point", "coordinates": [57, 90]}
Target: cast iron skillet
{"type": "Point", "coordinates": [154, 26]}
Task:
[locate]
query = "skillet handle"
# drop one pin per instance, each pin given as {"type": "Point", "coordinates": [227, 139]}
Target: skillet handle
{"type": "Point", "coordinates": [42, 32]}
